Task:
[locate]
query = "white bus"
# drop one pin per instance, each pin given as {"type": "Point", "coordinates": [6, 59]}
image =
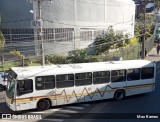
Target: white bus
{"type": "Point", "coordinates": [44, 86]}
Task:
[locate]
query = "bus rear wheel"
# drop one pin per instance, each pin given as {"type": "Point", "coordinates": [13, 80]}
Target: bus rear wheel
{"type": "Point", "coordinates": [43, 105]}
{"type": "Point", "coordinates": [119, 95]}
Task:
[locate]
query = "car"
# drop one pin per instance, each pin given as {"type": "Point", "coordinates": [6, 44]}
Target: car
{"type": "Point", "coordinates": [138, 1]}
{"type": "Point", "coordinates": [3, 80]}
{"type": "Point", "coordinates": [150, 7]}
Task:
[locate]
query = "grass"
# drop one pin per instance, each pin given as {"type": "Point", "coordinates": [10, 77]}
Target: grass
{"type": "Point", "coordinates": [8, 65]}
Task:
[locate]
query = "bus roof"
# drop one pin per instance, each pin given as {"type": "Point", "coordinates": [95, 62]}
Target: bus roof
{"type": "Point", "coordinates": [26, 72]}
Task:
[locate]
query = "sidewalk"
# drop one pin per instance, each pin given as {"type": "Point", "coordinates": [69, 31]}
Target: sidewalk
{"type": "Point", "coordinates": [152, 55]}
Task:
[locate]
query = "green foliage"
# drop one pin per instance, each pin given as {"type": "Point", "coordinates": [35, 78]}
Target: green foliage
{"type": "Point", "coordinates": [77, 56]}
{"type": "Point", "coordinates": [81, 56]}
{"type": "Point", "coordinates": [56, 59]}
{"type": "Point", "coordinates": [140, 22]}
{"type": "Point", "coordinates": [2, 41]}
{"type": "Point", "coordinates": [17, 53]}
{"type": "Point", "coordinates": [94, 58]}
{"type": "Point", "coordinates": [157, 2]}
{"type": "Point", "coordinates": [105, 42]}
{"type": "Point", "coordinates": [22, 61]}
{"type": "Point", "coordinates": [140, 16]}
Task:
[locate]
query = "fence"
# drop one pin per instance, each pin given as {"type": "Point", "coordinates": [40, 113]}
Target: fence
{"type": "Point", "coordinates": [126, 53]}
{"type": "Point", "coordinates": [64, 42]}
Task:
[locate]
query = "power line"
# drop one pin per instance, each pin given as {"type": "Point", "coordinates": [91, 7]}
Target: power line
{"type": "Point", "coordinates": [90, 26]}
{"type": "Point", "coordinates": [101, 4]}
{"type": "Point", "coordinates": [14, 21]}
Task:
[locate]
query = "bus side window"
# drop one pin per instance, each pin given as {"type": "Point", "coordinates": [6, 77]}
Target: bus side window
{"type": "Point", "coordinates": [118, 75]}
{"type": "Point", "coordinates": [83, 79]}
{"type": "Point", "coordinates": [133, 74]}
{"type": "Point", "coordinates": [45, 82]}
{"type": "Point", "coordinates": [101, 77]}
{"type": "Point", "coordinates": [147, 72]}
{"type": "Point", "coordinates": [64, 80]}
{"type": "Point", "coordinates": [24, 86]}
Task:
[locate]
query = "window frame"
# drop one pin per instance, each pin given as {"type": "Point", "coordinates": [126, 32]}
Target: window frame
{"type": "Point", "coordinates": [124, 76]}
{"type": "Point", "coordinates": [80, 79]}
{"type": "Point", "coordinates": [134, 75]}
{"type": "Point", "coordinates": [153, 68]}
{"type": "Point", "coordinates": [65, 81]}
{"type": "Point", "coordinates": [94, 77]}
{"type": "Point", "coordinates": [19, 87]}
{"type": "Point", "coordinates": [43, 82]}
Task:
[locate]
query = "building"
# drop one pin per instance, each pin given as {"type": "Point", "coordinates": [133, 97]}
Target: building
{"type": "Point", "coordinates": [67, 24]}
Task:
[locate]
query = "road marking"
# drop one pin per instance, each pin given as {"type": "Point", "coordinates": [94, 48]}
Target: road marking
{"type": "Point", "coordinates": [50, 110]}
{"type": "Point", "coordinates": [68, 111]}
{"type": "Point", "coordinates": [75, 107]}
{"type": "Point", "coordinates": [53, 120]}
{"type": "Point", "coordinates": [61, 115]}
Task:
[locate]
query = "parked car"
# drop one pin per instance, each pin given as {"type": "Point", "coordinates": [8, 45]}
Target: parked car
{"type": "Point", "coordinates": [3, 81]}
{"type": "Point", "coordinates": [150, 7]}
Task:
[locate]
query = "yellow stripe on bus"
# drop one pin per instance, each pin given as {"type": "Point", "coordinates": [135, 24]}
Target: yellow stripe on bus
{"type": "Point", "coordinates": [72, 95]}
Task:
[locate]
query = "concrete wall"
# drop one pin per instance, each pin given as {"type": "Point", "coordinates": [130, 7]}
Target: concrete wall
{"type": "Point", "coordinates": [81, 15]}
{"type": "Point", "coordinates": [89, 14]}
{"type": "Point", "coordinates": [15, 13]}
{"type": "Point", "coordinates": [68, 13]}
{"type": "Point", "coordinates": [121, 14]}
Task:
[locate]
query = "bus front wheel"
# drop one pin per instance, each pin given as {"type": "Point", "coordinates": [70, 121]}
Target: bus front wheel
{"type": "Point", "coordinates": [43, 105]}
{"type": "Point", "coordinates": [119, 95]}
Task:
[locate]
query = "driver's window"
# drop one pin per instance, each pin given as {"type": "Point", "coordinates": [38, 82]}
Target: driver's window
{"type": "Point", "coordinates": [25, 86]}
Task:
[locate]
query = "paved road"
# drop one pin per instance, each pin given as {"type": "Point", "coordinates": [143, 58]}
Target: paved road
{"type": "Point", "coordinates": [58, 112]}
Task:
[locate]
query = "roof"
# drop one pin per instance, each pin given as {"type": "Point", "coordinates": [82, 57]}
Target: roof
{"type": "Point", "coordinates": [79, 67]}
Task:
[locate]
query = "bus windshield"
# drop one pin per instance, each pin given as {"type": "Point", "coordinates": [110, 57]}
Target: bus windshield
{"type": "Point", "coordinates": [10, 88]}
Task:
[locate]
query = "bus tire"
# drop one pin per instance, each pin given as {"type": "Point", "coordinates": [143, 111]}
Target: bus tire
{"type": "Point", "coordinates": [119, 95]}
{"type": "Point", "coordinates": [43, 104]}
{"type": "Point", "coordinates": [1, 88]}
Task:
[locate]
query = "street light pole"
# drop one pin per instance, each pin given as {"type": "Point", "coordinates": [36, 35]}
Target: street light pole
{"type": "Point", "coordinates": [39, 24]}
{"type": "Point", "coordinates": [40, 30]}
{"type": "Point", "coordinates": [144, 32]}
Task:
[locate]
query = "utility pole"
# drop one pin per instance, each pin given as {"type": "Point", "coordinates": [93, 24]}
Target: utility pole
{"type": "Point", "coordinates": [39, 24]}
{"type": "Point", "coordinates": [144, 32]}
{"type": "Point", "coordinates": [40, 30]}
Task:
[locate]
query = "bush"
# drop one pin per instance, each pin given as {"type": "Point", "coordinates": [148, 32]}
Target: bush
{"type": "Point", "coordinates": [94, 58]}
{"type": "Point", "coordinates": [81, 56]}
{"type": "Point", "coordinates": [56, 59]}
{"type": "Point", "coordinates": [77, 56]}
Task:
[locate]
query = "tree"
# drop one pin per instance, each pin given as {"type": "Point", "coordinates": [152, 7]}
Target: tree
{"type": "Point", "coordinates": [77, 56]}
{"type": "Point", "coordinates": [139, 25]}
{"type": "Point", "coordinates": [104, 42]}
{"type": "Point", "coordinates": [2, 39]}
{"type": "Point", "coordinates": [157, 2]}
{"type": "Point", "coordinates": [81, 56]}
{"type": "Point", "coordinates": [21, 58]}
